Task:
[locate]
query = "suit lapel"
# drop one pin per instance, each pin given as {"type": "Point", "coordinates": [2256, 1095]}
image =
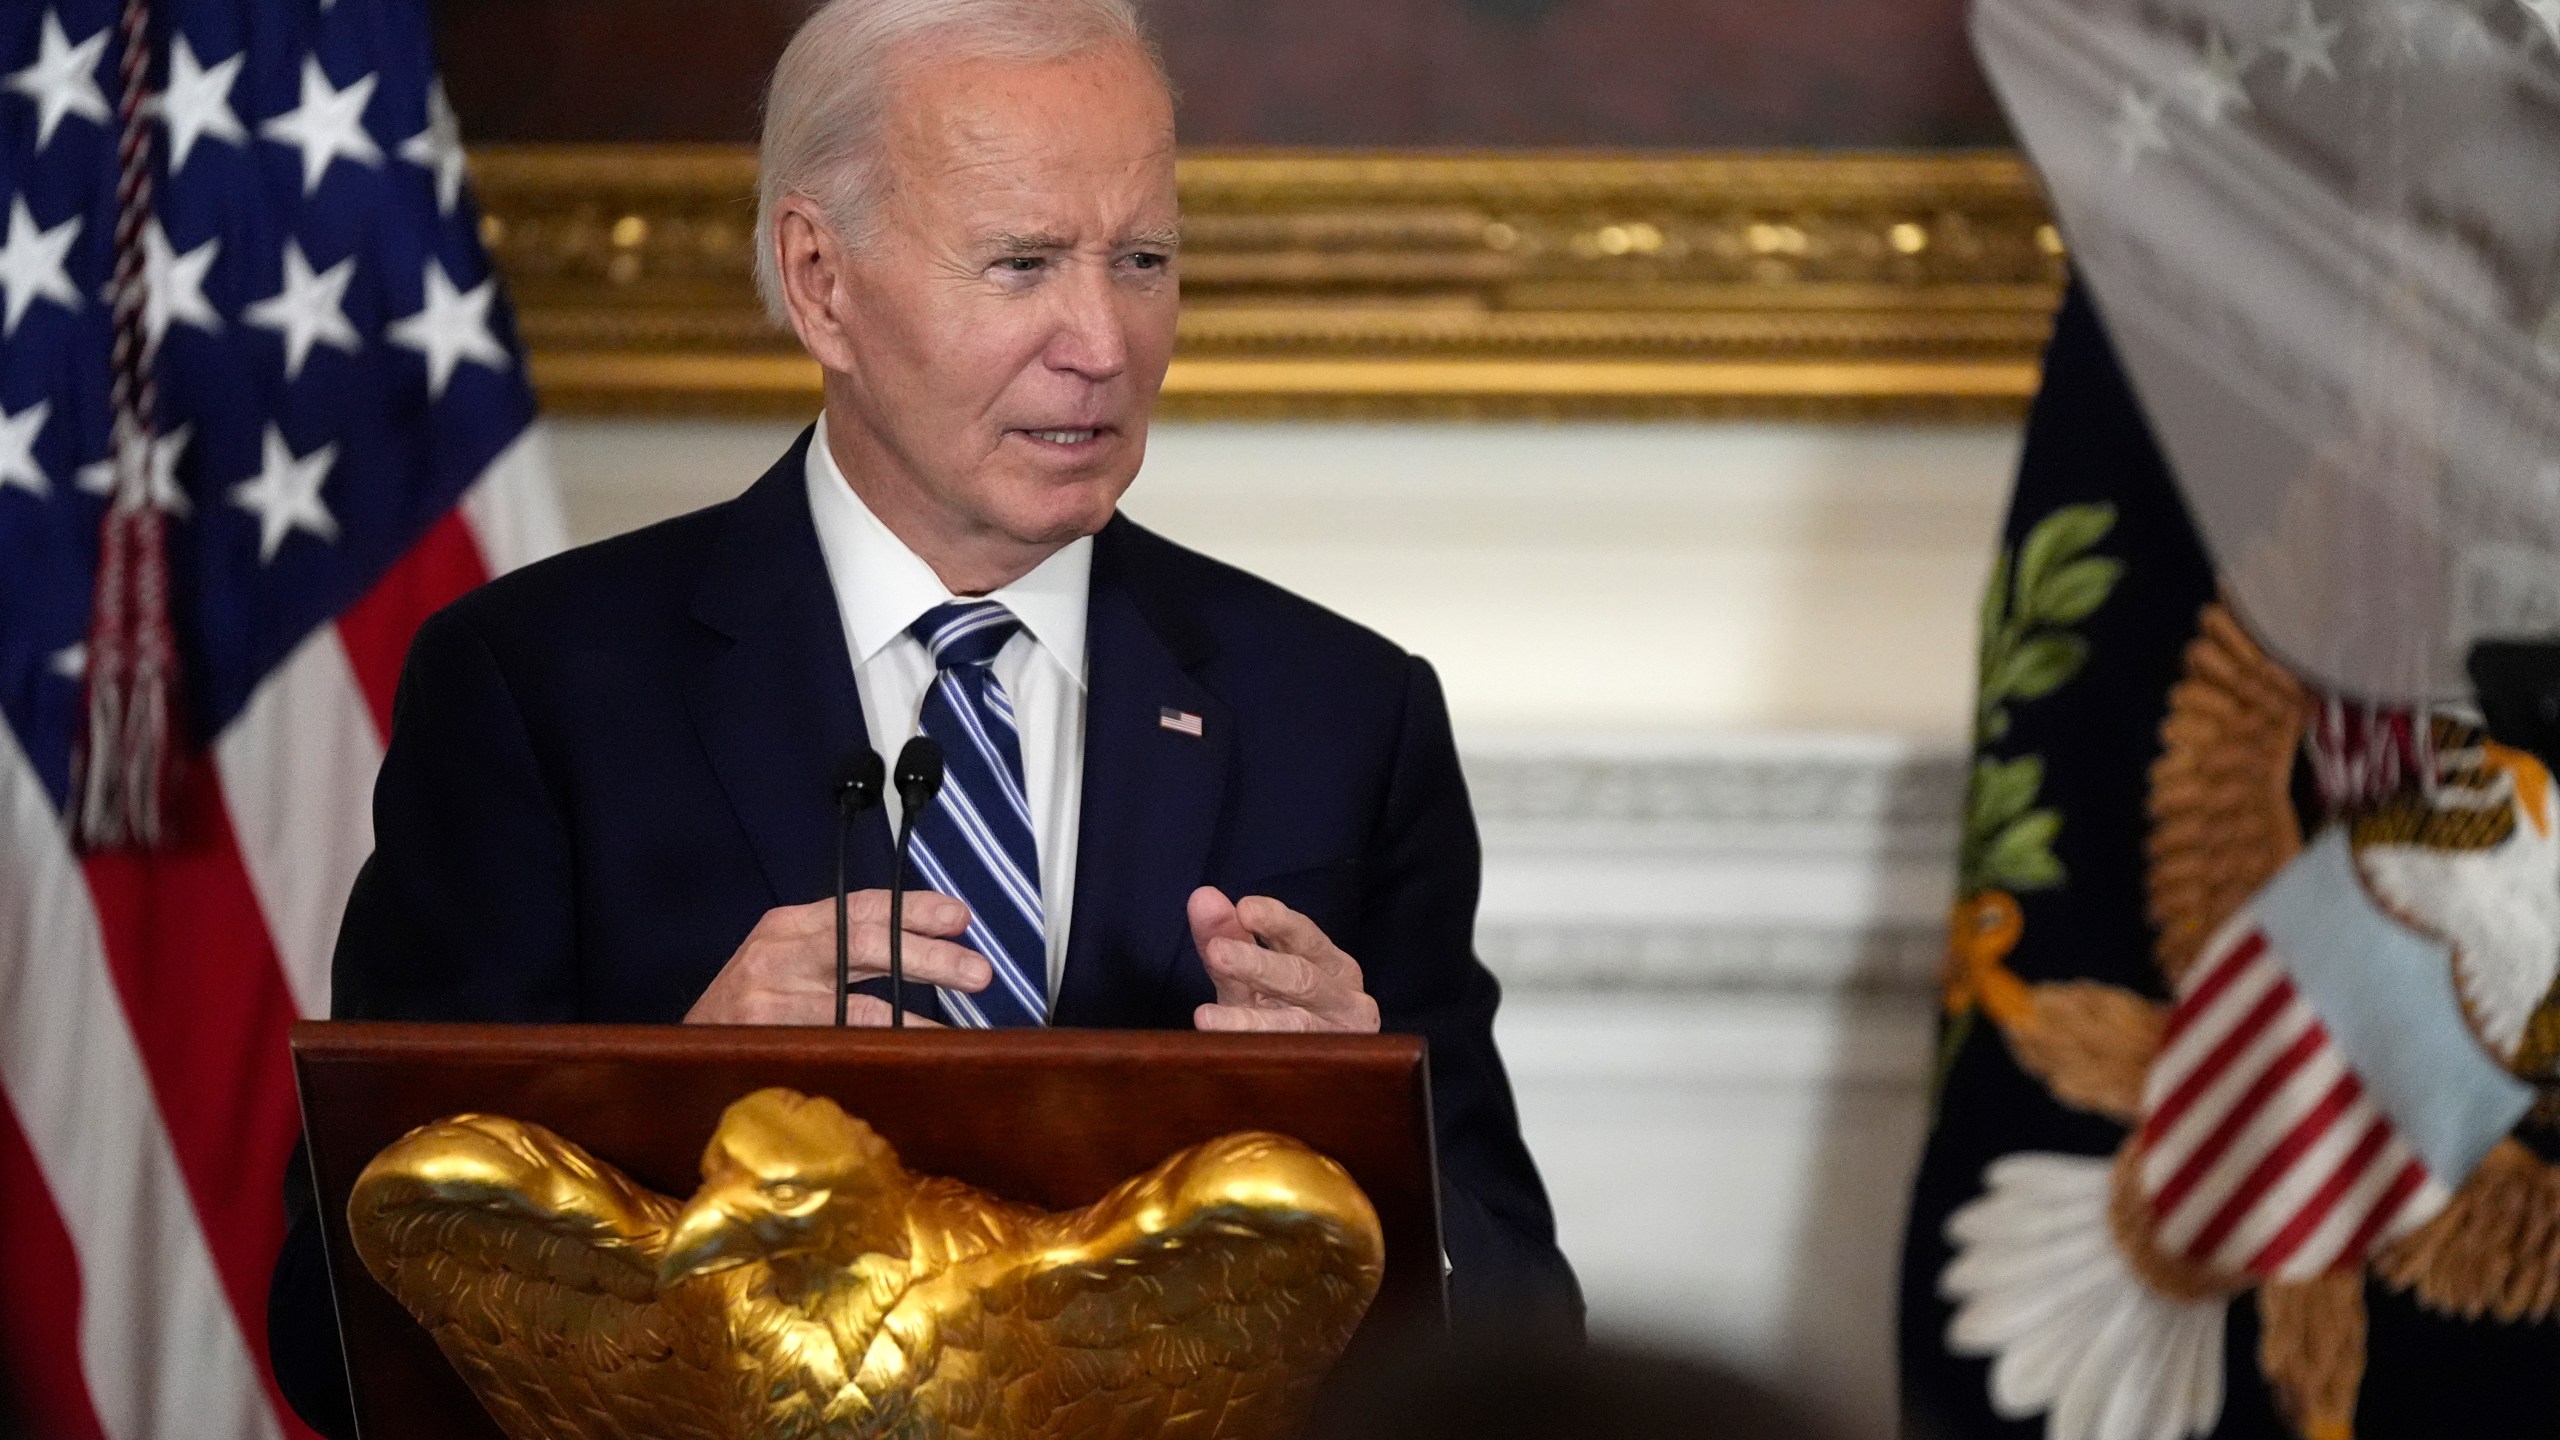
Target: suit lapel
{"type": "Point", "coordinates": [773, 699]}
{"type": "Point", "coordinates": [1151, 797]}
{"type": "Point", "coordinates": [772, 694]}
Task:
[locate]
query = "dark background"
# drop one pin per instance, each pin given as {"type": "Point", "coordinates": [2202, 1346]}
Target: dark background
{"type": "Point", "coordinates": [1694, 74]}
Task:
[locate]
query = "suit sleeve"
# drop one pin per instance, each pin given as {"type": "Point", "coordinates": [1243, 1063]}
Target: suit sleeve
{"type": "Point", "coordinates": [461, 913]}
{"type": "Point", "coordinates": [1418, 923]}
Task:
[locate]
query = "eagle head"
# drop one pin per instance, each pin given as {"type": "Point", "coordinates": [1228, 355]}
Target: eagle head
{"type": "Point", "coordinates": [788, 1176]}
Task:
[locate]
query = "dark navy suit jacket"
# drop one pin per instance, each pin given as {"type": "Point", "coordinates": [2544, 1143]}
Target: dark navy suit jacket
{"type": "Point", "coordinates": [605, 767]}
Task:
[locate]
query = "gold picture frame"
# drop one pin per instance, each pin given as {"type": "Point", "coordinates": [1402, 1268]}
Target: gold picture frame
{"type": "Point", "coordinates": [1381, 285]}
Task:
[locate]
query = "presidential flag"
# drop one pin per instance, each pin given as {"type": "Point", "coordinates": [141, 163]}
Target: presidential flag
{"type": "Point", "coordinates": [261, 411]}
{"type": "Point", "coordinates": [2246, 1122]}
{"type": "Point", "coordinates": [2250, 1122]}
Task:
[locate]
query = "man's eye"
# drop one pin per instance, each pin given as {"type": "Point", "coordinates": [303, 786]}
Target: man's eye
{"type": "Point", "coordinates": [1150, 260]}
{"type": "Point", "coordinates": [1020, 264]}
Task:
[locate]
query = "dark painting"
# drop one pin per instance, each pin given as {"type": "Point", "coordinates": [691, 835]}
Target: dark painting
{"type": "Point", "coordinates": [1687, 74]}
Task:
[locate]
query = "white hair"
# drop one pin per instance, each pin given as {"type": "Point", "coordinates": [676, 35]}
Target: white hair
{"type": "Point", "coordinates": [823, 112]}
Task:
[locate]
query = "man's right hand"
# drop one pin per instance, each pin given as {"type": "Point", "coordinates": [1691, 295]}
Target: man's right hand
{"type": "Point", "coordinates": [784, 973]}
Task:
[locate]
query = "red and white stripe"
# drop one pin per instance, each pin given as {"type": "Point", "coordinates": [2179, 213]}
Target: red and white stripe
{"type": "Point", "coordinates": [144, 998]}
{"type": "Point", "coordinates": [2261, 1153]}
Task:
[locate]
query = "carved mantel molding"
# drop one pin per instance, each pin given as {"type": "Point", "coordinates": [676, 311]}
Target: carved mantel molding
{"type": "Point", "coordinates": [1717, 866]}
{"type": "Point", "coordinates": [1378, 285]}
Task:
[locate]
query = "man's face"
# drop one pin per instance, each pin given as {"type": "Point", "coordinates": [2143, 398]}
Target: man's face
{"type": "Point", "coordinates": [1001, 339]}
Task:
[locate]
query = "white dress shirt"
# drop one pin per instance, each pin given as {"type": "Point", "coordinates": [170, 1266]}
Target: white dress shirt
{"type": "Point", "coordinates": [882, 587]}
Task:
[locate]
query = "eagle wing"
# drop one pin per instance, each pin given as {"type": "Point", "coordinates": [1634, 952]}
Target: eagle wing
{"type": "Point", "coordinates": [1205, 1298]}
{"type": "Point", "coordinates": [534, 1266]}
{"type": "Point", "coordinates": [2222, 821]}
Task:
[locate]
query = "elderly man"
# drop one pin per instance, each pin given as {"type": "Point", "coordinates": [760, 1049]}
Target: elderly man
{"type": "Point", "coordinates": [1178, 795]}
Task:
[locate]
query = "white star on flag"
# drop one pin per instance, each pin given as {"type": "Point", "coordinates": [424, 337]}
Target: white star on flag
{"type": "Point", "coordinates": [2545, 13]}
{"type": "Point", "coordinates": [285, 494]}
{"type": "Point", "coordinates": [2136, 130]}
{"type": "Point", "coordinates": [64, 79]}
{"type": "Point", "coordinates": [327, 124]}
{"type": "Point", "coordinates": [2396, 29]}
{"type": "Point", "coordinates": [70, 662]}
{"type": "Point", "coordinates": [197, 104]}
{"type": "Point", "coordinates": [309, 310]}
{"type": "Point", "coordinates": [452, 326]}
{"type": "Point", "coordinates": [98, 477]}
{"type": "Point", "coordinates": [2214, 87]}
{"type": "Point", "coordinates": [2306, 46]}
{"type": "Point", "coordinates": [31, 265]}
{"type": "Point", "coordinates": [2404, 33]}
{"type": "Point", "coordinates": [18, 434]}
{"type": "Point", "coordinates": [439, 148]}
{"type": "Point", "coordinates": [173, 286]}
{"type": "Point", "coordinates": [2467, 38]}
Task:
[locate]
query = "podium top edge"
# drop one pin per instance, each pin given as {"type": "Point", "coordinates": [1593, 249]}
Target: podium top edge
{"type": "Point", "coordinates": [327, 1041]}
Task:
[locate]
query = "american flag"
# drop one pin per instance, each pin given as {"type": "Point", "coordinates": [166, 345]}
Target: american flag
{"type": "Point", "coordinates": [342, 441]}
{"type": "Point", "coordinates": [2261, 1153]}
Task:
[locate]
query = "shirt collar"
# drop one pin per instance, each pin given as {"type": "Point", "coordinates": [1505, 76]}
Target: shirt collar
{"type": "Point", "coordinates": [882, 587]}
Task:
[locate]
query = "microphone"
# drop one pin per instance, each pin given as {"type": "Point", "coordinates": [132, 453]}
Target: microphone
{"type": "Point", "coordinates": [918, 779]}
{"type": "Point", "coordinates": [858, 791]}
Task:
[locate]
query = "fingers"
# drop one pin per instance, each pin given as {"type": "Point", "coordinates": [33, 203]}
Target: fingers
{"type": "Point", "coordinates": [784, 972]}
{"type": "Point", "coordinates": [1243, 1018]}
{"type": "Point", "coordinates": [927, 961]}
{"type": "Point", "coordinates": [870, 1012]}
{"type": "Point", "coordinates": [1214, 919]}
{"type": "Point", "coordinates": [1271, 974]}
{"type": "Point", "coordinates": [1292, 970]}
{"type": "Point", "coordinates": [926, 912]}
{"type": "Point", "coordinates": [1285, 929]}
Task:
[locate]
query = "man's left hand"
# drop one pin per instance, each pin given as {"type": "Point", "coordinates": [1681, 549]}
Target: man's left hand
{"type": "Point", "coordinates": [1274, 969]}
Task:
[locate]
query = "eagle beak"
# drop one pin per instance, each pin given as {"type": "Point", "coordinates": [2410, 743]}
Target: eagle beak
{"type": "Point", "coordinates": [706, 1238]}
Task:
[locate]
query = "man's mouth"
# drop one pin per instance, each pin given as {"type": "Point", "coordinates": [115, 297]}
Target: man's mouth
{"type": "Point", "coordinates": [1066, 438]}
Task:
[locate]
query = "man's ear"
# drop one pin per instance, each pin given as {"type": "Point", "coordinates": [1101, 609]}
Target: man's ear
{"type": "Point", "coordinates": [811, 258]}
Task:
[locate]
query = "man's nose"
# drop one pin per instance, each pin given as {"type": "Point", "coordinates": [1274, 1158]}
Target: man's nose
{"type": "Point", "coordinates": [1092, 338]}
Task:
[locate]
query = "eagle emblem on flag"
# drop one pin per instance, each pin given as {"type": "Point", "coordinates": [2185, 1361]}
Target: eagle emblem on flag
{"type": "Point", "coordinates": [2355, 1027]}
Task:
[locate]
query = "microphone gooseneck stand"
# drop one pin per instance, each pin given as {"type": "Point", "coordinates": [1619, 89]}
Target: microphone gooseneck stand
{"type": "Point", "coordinates": [918, 779]}
{"type": "Point", "coordinates": [857, 792]}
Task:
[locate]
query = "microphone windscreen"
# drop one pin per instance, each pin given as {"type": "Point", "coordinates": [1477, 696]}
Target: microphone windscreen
{"type": "Point", "coordinates": [860, 787]}
{"type": "Point", "coordinates": [919, 772]}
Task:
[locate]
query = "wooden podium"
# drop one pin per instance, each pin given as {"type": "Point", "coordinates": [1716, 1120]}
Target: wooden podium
{"type": "Point", "coordinates": [1051, 1117]}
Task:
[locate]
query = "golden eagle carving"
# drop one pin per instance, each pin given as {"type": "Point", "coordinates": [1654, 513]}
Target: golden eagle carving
{"type": "Point", "coordinates": [813, 1287]}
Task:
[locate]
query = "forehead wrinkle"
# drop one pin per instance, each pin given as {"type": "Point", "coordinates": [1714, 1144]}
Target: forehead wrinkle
{"type": "Point", "coordinates": [970, 153]}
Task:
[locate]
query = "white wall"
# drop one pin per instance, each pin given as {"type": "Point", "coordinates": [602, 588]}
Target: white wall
{"type": "Point", "coordinates": [1711, 682]}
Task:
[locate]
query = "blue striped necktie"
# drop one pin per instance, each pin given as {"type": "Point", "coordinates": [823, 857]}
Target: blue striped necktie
{"type": "Point", "coordinates": [976, 841]}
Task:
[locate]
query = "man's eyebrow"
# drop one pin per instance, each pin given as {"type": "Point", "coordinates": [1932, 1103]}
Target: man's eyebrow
{"type": "Point", "coordinates": [1036, 242]}
{"type": "Point", "coordinates": [1041, 242]}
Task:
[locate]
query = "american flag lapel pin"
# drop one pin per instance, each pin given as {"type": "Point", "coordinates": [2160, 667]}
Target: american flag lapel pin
{"type": "Point", "coordinates": [1180, 722]}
